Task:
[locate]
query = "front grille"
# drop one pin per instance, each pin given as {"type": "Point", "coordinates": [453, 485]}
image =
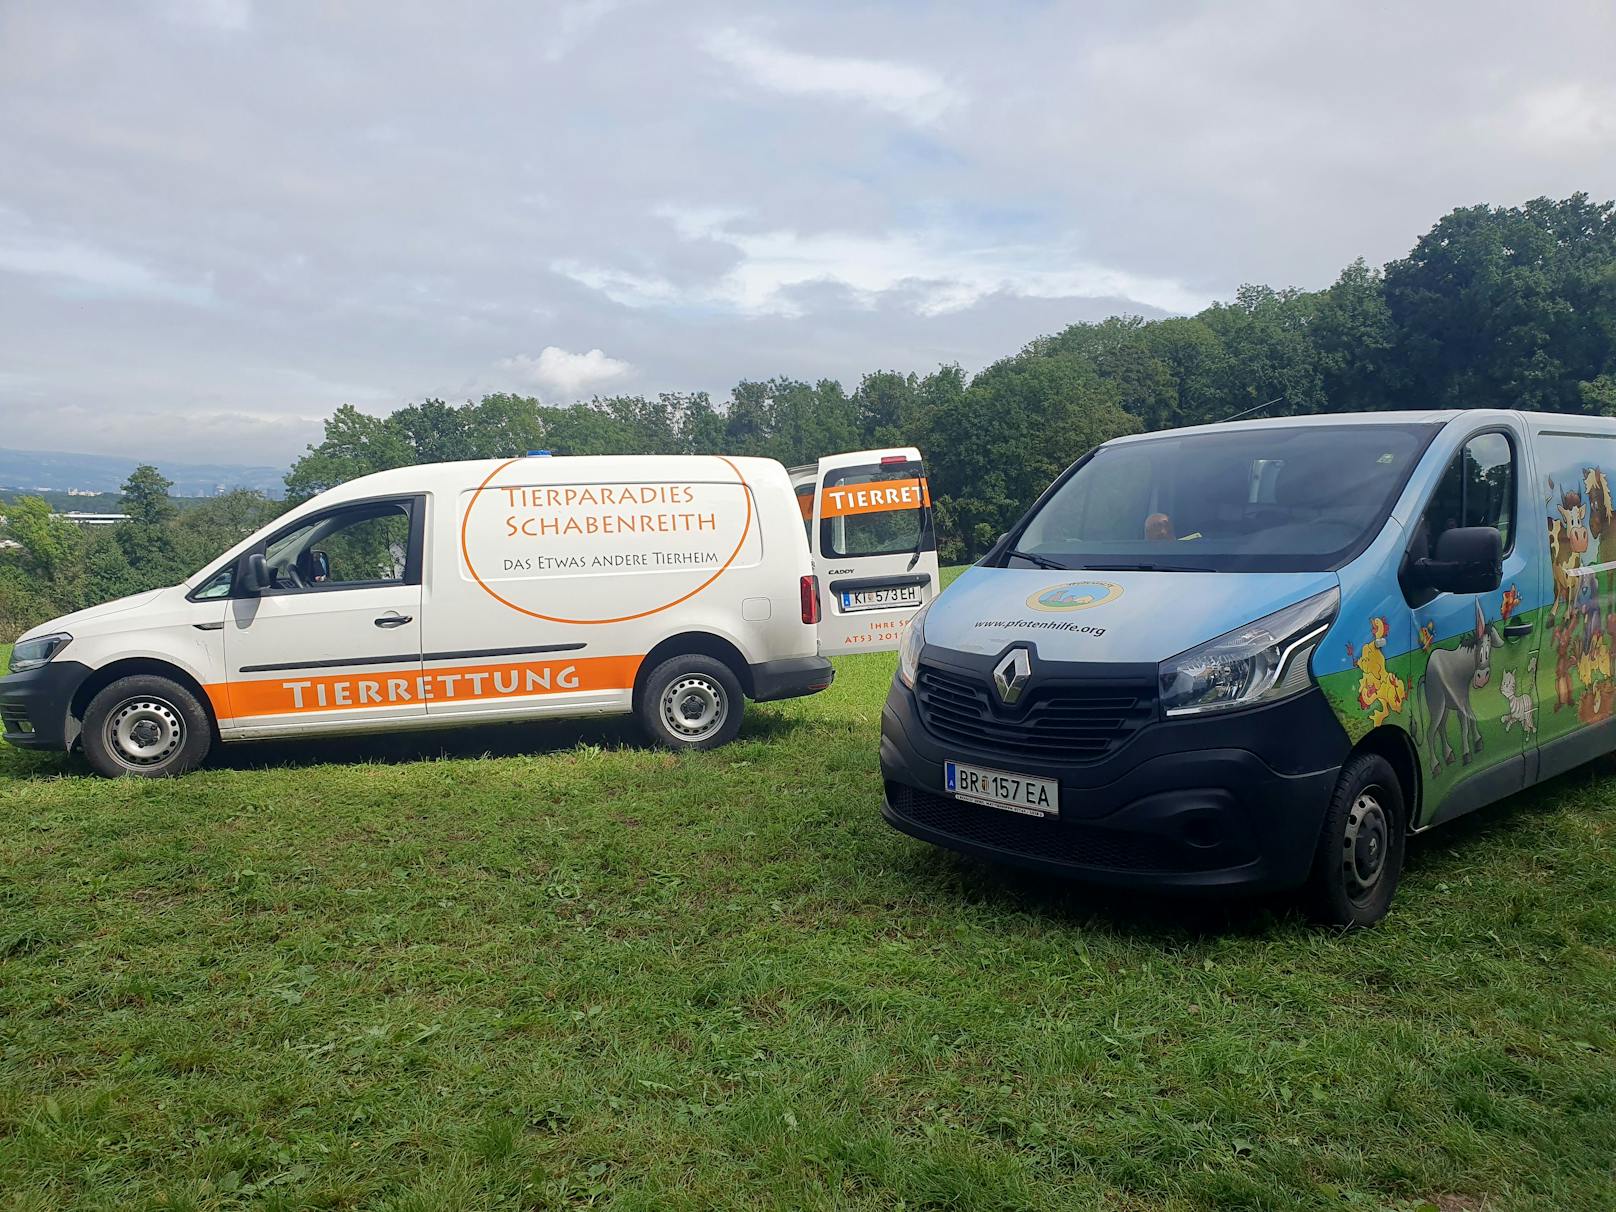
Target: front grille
{"type": "Point", "coordinates": [1070, 721]}
{"type": "Point", "coordinates": [1081, 845]}
{"type": "Point", "coordinates": [15, 719]}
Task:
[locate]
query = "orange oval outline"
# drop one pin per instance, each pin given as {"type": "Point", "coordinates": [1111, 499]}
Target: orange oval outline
{"type": "Point", "coordinates": [465, 554]}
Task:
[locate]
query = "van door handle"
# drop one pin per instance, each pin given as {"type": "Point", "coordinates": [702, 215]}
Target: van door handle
{"type": "Point", "coordinates": [1516, 630]}
{"type": "Point", "coordinates": [394, 620]}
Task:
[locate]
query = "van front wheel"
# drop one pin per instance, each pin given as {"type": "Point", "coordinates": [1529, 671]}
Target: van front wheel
{"type": "Point", "coordinates": [691, 702]}
{"type": "Point", "coordinates": [1360, 854]}
{"type": "Point", "coordinates": [145, 727]}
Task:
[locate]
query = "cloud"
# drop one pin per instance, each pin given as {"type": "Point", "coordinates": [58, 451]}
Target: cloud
{"type": "Point", "coordinates": [76, 268]}
{"type": "Point", "coordinates": [573, 23]}
{"type": "Point", "coordinates": [565, 374]}
{"type": "Point", "coordinates": [1568, 116]}
{"type": "Point", "coordinates": [934, 268]}
{"type": "Point", "coordinates": [230, 15]}
{"type": "Point", "coordinates": [910, 92]}
{"type": "Point", "coordinates": [430, 194]}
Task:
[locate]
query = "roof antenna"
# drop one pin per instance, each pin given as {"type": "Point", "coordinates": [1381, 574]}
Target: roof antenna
{"type": "Point", "coordinates": [1254, 408]}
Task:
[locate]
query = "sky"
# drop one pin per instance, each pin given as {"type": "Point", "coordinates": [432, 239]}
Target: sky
{"type": "Point", "coordinates": [222, 219]}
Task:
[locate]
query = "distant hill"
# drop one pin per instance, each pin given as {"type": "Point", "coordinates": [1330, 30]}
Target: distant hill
{"type": "Point", "coordinates": [59, 471]}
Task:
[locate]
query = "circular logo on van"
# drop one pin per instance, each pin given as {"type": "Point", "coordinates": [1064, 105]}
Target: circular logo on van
{"type": "Point", "coordinates": [596, 550]}
{"type": "Point", "coordinates": [1075, 595]}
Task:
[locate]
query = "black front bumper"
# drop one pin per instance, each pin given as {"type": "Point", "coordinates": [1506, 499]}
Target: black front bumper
{"type": "Point", "coordinates": [791, 678]}
{"type": "Point", "coordinates": [35, 705]}
{"type": "Point", "coordinates": [1191, 803]}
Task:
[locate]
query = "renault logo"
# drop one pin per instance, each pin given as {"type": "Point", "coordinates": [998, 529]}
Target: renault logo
{"type": "Point", "coordinates": [1011, 675]}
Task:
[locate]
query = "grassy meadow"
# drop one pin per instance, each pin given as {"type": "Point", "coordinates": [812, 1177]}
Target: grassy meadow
{"type": "Point", "coordinates": [545, 967]}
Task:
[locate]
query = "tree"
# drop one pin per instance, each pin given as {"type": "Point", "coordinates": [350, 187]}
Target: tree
{"type": "Point", "coordinates": [1359, 361]}
{"type": "Point", "coordinates": [1508, 307]}
{"type": "Point", "coordinates": [145, 497]}
{"type": "Point", "coordinates": [355, 444]}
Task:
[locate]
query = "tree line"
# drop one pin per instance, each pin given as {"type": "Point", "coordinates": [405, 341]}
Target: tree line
{"type": "Point", "coordinates": [1511, 307]}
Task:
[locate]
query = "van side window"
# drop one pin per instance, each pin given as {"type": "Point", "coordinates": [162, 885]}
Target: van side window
{"type": "Point", "coordinates": [353, 546]}
{"type": "Point", "coordinates": [1477, 489]}
{"type": "Point", "coordinates": [218, 586]}
{"type": "Point", "coordinates": [805, 506]}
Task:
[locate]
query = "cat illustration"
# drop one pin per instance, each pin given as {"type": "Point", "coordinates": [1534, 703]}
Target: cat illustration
{"type": "Point", "coordinates": [1522, 710]}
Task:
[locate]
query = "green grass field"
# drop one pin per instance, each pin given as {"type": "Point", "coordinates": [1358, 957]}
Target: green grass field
{"type": "Point", "coordinates": [543, 967]}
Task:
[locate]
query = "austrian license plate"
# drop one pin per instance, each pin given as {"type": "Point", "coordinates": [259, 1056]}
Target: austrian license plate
{"type": "Point", "coordinates": [880, 599]}
{"type": "Point", "coordinates": [1001, 789]}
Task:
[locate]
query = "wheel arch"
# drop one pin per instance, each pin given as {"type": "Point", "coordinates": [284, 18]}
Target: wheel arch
{"type": "Point", "coordinates": [1396, 746]}
{"type": "Point", "coordinates": [130, 667]}
{"type": "Point", "coordinates": [695, 643]}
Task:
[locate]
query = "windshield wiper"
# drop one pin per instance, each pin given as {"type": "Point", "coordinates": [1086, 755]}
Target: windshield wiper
{"type": "Point", "coordinates": [1041, 561]}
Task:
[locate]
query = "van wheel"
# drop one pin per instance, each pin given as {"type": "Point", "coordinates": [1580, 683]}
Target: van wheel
{"type": "Point", "coordinates": [1360, 854]}
{"type": "Point", "coordinates": [145, 727]}
{"type": "Point", "coordinates": [691, 702]}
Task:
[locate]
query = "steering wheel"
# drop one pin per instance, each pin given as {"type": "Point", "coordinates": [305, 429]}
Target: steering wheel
{"type": "Point", "coordinates": [293, 577]}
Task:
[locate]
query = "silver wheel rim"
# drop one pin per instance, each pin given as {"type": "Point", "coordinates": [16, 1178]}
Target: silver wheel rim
{"type": "Point", "coordinates": [1365, 846]}
{"type": "Point", "coordinates": [694, 707]}
{"type": "Point", "coordinates": [145, 732]}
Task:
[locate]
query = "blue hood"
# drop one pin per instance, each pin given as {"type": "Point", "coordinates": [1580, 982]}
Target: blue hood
{"type": "Point", "coordinates": [1117, 617]}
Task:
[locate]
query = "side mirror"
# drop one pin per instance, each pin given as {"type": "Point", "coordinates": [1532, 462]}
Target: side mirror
{"type": "Point", "coordinates": [252, 574]}
{"type": "Point", "coordinates": [1469, 559]}
{"type": "Point", "coordinates": [319, 566]}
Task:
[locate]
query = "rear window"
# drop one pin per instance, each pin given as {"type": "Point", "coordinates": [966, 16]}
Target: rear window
{"type": "Point", "coordinates": [880, 509]}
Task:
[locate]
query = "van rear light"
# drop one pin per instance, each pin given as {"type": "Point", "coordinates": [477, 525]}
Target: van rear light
{"type": "Point", "coordinates": [893, 460]}
{"type": "Point", "coordinates": [810, 599]}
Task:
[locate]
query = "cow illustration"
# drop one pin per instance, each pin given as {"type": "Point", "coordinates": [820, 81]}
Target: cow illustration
{"type": "Point", "coordinates": [1450, 675]}
{"type": "Point", "coordinates": [1568, 540]}
{"type": "Point", "coordinates": [1602, 525]}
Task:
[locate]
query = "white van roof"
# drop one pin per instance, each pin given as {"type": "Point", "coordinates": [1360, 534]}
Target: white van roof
{"type": "Point", "coordinates": [572, 469]}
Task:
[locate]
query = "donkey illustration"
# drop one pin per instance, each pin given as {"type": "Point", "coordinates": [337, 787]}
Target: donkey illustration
{"type": "Point", "coordinates": [1450, 676]}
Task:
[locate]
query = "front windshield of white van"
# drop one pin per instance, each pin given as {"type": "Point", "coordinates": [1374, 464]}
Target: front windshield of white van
{"type": "Point", "coordinates": [1263, 498]}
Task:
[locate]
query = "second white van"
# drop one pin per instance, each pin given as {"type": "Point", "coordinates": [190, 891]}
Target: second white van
{"type": "Point", "coordinates": [671, 587]}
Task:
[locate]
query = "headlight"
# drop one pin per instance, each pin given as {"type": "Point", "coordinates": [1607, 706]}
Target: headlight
{"type": "Point", "coordinates": [914, 639]}
{"type": "Point", "coordinates": [1257, 663]}
{"type": "Point", "coordinates": [31, 654]}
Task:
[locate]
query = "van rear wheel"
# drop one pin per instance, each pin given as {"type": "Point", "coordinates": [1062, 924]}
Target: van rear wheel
{"type": "Point", "coordinates": [691, 702]}
{"type": "Point", "coordinates": [1360, 854]}
{"type": "Point", "coordinates": [145, 727]}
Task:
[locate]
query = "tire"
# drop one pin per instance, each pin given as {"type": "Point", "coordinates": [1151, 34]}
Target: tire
{"type": "Point", "coordinates": [691, 702]}
{"type": "Point", "coordinates": [146, 727]}
{"type": "Point", "coordinates": [1360, 854]}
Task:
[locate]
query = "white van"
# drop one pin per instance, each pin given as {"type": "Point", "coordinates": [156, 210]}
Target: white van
{"type": "Point", "coordinates": [670, 587]}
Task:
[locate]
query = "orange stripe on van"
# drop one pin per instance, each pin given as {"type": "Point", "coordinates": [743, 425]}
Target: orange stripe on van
{"type": "Point", "coordinates": [292, 694]}
{"type": "Point", "coordinates": [877, 496]}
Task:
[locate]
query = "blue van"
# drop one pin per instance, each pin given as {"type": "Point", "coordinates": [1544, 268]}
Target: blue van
{"type": "Point", "coordinates": [1260, 654]}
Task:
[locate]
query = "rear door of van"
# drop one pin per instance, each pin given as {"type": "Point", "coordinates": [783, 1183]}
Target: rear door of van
{"type": "Point", "coordinates": [870, 529]}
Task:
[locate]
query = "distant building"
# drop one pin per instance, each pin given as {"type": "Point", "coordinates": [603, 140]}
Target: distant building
{"type": "Point", "coordinates": [80, 518]}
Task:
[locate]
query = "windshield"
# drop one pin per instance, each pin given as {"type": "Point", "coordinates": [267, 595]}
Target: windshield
{"type": "Point", "coordinates": [1268, 498]}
